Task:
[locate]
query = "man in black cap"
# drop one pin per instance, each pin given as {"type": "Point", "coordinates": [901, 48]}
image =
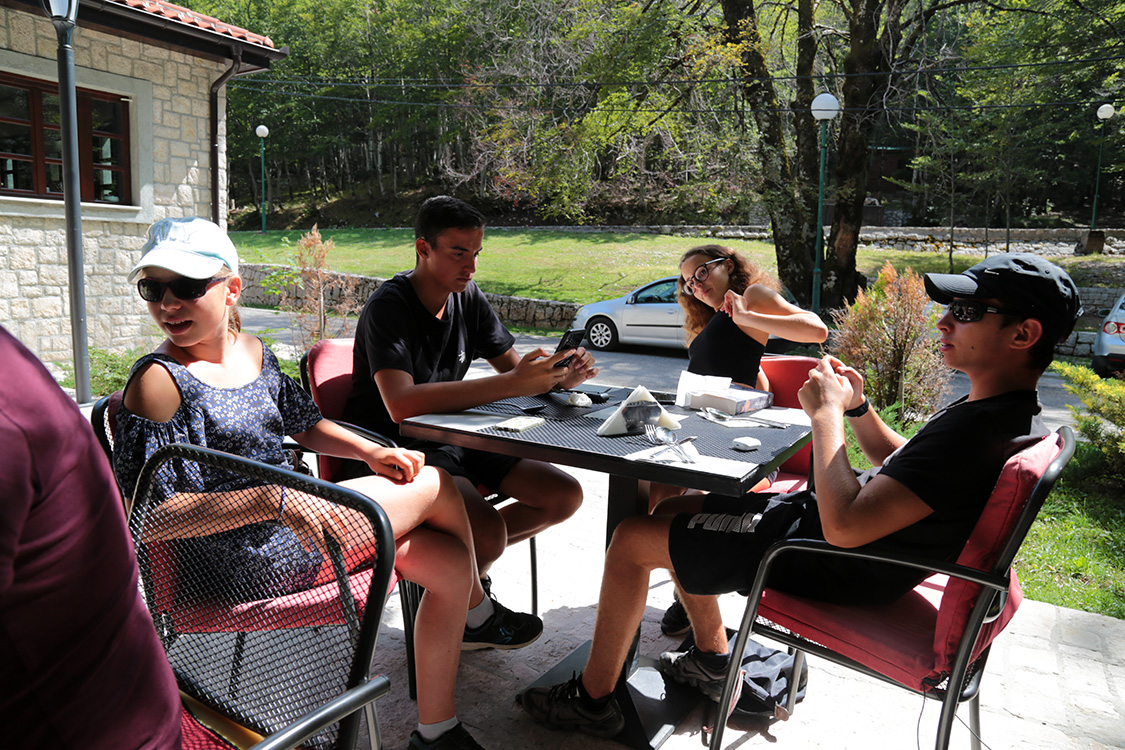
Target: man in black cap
{"type": "Point", "coordinates": [1002, 320]}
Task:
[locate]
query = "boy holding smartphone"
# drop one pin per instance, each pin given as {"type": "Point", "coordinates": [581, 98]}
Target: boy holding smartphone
{"type": "Point", "coordinates": [415, 340]}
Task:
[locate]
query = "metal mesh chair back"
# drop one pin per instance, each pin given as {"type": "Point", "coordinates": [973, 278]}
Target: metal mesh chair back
{"type": "Point", "coordinates": [257, 623]}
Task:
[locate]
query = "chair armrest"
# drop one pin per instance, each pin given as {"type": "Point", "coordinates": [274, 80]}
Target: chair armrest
{"type": "Point", "coordinates": [336, 709]}
{"type": "Point", "coordinates": [821, 547]}
{"type": "Point", "coordinates": [375, 437]}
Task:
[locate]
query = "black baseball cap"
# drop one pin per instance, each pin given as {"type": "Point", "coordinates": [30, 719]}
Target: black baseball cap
{"type": "Point", "coordinates": [1022, 282]}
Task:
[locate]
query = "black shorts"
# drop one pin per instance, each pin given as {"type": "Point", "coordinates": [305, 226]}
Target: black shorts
{"type": "Point", "coordinates": [479, 467]}
{"type": "Point", "coordinates": [719, 549]}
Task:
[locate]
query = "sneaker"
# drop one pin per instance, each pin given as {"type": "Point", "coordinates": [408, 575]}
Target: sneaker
{"type": "Point", "coordinates": [457, 738]}
{"type": "Point", "coordinates": [686, 667]}
{"type": "Point", "coordinates": [675, 621]}
{"type": "Point", "coordinates": [562, 707]}
{"type": "Point", "coordinates": [504, 630]}
{"type": "Point", "coordinates": [486, 584]}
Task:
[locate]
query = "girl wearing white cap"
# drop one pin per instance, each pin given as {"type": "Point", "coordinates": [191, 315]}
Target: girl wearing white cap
{"type": "Point", "coordinates": [209, 384]}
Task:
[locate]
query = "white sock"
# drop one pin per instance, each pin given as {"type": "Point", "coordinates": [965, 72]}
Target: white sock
{"type": "Point", "coordinates": [430, 732]}
{"type": "Point", "coordinates": [479, 614]}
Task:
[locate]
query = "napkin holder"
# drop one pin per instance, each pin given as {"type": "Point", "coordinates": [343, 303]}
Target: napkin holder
{"type": "Point", "coordinates": [638, 410]}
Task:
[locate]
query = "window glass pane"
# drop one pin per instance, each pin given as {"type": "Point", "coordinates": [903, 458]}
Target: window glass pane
{"type": "Point", "coordinates": [51, 109]}
{"type": "Point", "coordinates": [15, 139]}
{"type": "Point", "coordinates": [107, 151]}
{"type": "Point", "coordinates": [52, 144]}
{"type": "Point", "coordinates": [13, 103]}
{"type": "Point", "coordinates": [54, 178]}
{"type": "Point", "coordinates": [105, 116]}
{"type": "Point", "coordinates": [108, 186]}
{"type": "Point", "coordinates": [16, 175]}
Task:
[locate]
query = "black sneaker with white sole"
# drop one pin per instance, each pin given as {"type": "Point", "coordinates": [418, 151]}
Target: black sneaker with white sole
{"type": "Point", "coordinates": [675, 621]}
{"type": "Point", "coordinates": [562, 707]}
{"type": "Point", "coordinates": [457, 738]}
{"type": "Point", "coordinates": [504, 630]}
{"type": "Point", "coordinates": [688, 668]}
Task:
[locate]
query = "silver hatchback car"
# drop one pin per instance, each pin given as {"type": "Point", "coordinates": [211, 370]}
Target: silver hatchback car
{"type": "Point", "coordinates": [1109, 346]}
{"type": "Point", "coordinates": [647, 315]}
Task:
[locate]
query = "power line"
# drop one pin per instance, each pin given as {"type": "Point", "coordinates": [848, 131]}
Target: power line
{"type": "Point", "coordinates": [586, 111]}
{"type": "Point", "coordinates": [434, 83]}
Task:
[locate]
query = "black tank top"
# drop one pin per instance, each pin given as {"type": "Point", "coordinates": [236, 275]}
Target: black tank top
{"type": "Point", "coordinates": [722, 349]}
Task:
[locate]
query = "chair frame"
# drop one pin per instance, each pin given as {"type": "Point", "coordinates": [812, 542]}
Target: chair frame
{"type": "Point", "coordinates": [963, 680]}
{"type": "Point", "coordinates": [361, 690]}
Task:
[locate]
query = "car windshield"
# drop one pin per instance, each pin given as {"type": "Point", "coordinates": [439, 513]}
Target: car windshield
{"type": "Point", "coordinates": [665, 291]}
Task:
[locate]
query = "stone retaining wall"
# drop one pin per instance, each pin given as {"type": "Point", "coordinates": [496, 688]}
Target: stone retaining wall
{"type": "Point", "coordinates": [513, 311]}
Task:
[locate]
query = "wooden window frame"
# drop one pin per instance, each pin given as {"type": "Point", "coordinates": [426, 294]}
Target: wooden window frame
{"type": "Point", "coordinates": [36, 90]}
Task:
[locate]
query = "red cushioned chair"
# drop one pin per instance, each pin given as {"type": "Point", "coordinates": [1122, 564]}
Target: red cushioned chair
{"type": "Point", "coordinates": [786, 375]}
{"type": "Point", "coordinates": [935, 639]}
{"type": "Point", "coordinates": [306, 670]}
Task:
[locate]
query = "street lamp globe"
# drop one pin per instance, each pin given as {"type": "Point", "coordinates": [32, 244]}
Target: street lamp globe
{"type": "Point", "coordinates": [825, 106]}
{"type": "Point", "coordinates": [261, 131]}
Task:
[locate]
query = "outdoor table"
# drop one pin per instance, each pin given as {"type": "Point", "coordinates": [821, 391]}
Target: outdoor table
{"type": "Point", "coordinates": [568, 436]}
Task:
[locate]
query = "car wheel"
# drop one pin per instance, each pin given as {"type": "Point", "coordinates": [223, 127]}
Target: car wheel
{"type": "Point", "coordinates": [602, 334]}
{"type": "Point", "coordinates": [1100, 367]}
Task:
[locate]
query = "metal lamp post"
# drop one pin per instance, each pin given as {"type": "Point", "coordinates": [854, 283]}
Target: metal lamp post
{"type": "Point", "coordinates": [1105, 112]}
{"type": "Point", "coordinates": [824, 108]}
{"type": "Point", "coordinates": [262, 132]}
{"type": "Point", "coordinates": [64, 15]}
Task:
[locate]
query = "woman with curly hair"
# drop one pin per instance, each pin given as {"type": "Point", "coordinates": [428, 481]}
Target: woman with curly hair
{"type": "Point", "coordinates": [732, 306]}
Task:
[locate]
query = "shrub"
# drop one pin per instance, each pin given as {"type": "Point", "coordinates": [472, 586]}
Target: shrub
{"type": "Point", "coordinates": [109, 371]}
{"type": "Point", "coordinates": [1103, 419]}
{"type": "Point", "coordinates": [308, 288]}
{"type": "Point", "coordinates": [888, 335]}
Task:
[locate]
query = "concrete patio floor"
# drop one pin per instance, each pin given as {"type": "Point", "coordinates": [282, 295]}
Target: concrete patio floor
{"type": "Point", "coordinates": [1055, 678]}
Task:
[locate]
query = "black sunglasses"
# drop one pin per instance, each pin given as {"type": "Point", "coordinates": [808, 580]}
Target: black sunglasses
{"type": "Point", "coordinates": [970, 311]}
{"type": "Point", "coordinates": [181, 287]}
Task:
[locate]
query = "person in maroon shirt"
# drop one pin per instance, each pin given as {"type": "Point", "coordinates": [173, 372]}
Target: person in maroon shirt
{"type": "Point", "coordinates": [80, 662]}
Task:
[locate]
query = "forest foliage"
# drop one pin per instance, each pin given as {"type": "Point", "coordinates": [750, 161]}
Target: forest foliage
{"type": "Point", "coordinates": [688, 112]}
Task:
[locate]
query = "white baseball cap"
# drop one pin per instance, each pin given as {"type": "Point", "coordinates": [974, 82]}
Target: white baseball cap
{"type": "Point", "coordinates": [192, 247]}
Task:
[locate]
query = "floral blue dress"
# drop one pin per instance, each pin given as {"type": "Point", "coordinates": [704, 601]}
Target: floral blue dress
{"type": "Point", "coordinates": [256, 560]}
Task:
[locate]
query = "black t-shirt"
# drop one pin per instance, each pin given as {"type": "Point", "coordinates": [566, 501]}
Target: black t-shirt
{"type": "Point", "coordinates": [722, 349]}
{"type": "Point", "coordinates": [396, 332]}
{"type": "Point", "coordinates": [952, 464]}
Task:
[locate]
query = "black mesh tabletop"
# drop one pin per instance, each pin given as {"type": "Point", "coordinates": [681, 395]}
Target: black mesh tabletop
{"type": "Point", "coordinates": [555, 406]}
{"type": "Point", "coordinates": [574, 442]}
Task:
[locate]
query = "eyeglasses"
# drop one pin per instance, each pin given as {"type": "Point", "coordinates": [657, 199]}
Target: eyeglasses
{"type": "Point", "coordinates": [181, 287]}
{"type": "Point", "coordinates": [700, 275]}
{"type": "Point", "coordinates": [970, 311]}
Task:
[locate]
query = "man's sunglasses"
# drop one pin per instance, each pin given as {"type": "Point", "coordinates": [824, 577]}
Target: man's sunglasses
{"type": "Point", "coordinates": [970, 311]}
{"type": "Point", "coordinates": [181, 287]}
{"type": "Point", "coordinates": [700, 275]}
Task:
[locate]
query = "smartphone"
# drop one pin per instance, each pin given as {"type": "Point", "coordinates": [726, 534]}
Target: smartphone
{"type": "Point", "coordinates": [572, 339]}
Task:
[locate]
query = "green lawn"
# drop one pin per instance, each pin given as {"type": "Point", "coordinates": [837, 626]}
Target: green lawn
{"type": "Point", "coordinates": [584, 267]}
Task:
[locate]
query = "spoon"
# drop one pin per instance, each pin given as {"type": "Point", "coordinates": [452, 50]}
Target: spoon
{"type": "Point", "coordinates": [663, 436]}
{"type": "Point", "coordinates": [715, 415]}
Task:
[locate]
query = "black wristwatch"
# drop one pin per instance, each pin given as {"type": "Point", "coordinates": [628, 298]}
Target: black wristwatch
{"type": "Point", "coordinates": [860, 410]}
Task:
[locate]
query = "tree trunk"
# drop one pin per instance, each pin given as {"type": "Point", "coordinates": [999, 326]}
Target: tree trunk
{"type": "Point", "coordinates": [793, 239]}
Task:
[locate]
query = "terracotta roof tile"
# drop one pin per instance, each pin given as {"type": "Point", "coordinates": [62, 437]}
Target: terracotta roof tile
{"type": "Point", "coordinates": [192, 18]}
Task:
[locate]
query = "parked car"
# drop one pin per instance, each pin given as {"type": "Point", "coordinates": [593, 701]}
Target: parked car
{"type": "Point", "coordinates": [649, 314]}
{"type": "Point", "coordinates": [1109, 346]}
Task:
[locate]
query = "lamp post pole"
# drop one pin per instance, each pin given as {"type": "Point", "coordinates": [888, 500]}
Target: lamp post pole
{"type": "Point", "coordinates": [1105, 112]}
{"type": "Point", "coordinates": [64, 15]}
{"type": "Point", "coordinates": [262, 131]}
{"type": "Point", "coordinates": [824, 108]}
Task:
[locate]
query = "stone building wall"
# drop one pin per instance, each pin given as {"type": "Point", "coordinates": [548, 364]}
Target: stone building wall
{"type": "Point", "coordinates": [170, 160]}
